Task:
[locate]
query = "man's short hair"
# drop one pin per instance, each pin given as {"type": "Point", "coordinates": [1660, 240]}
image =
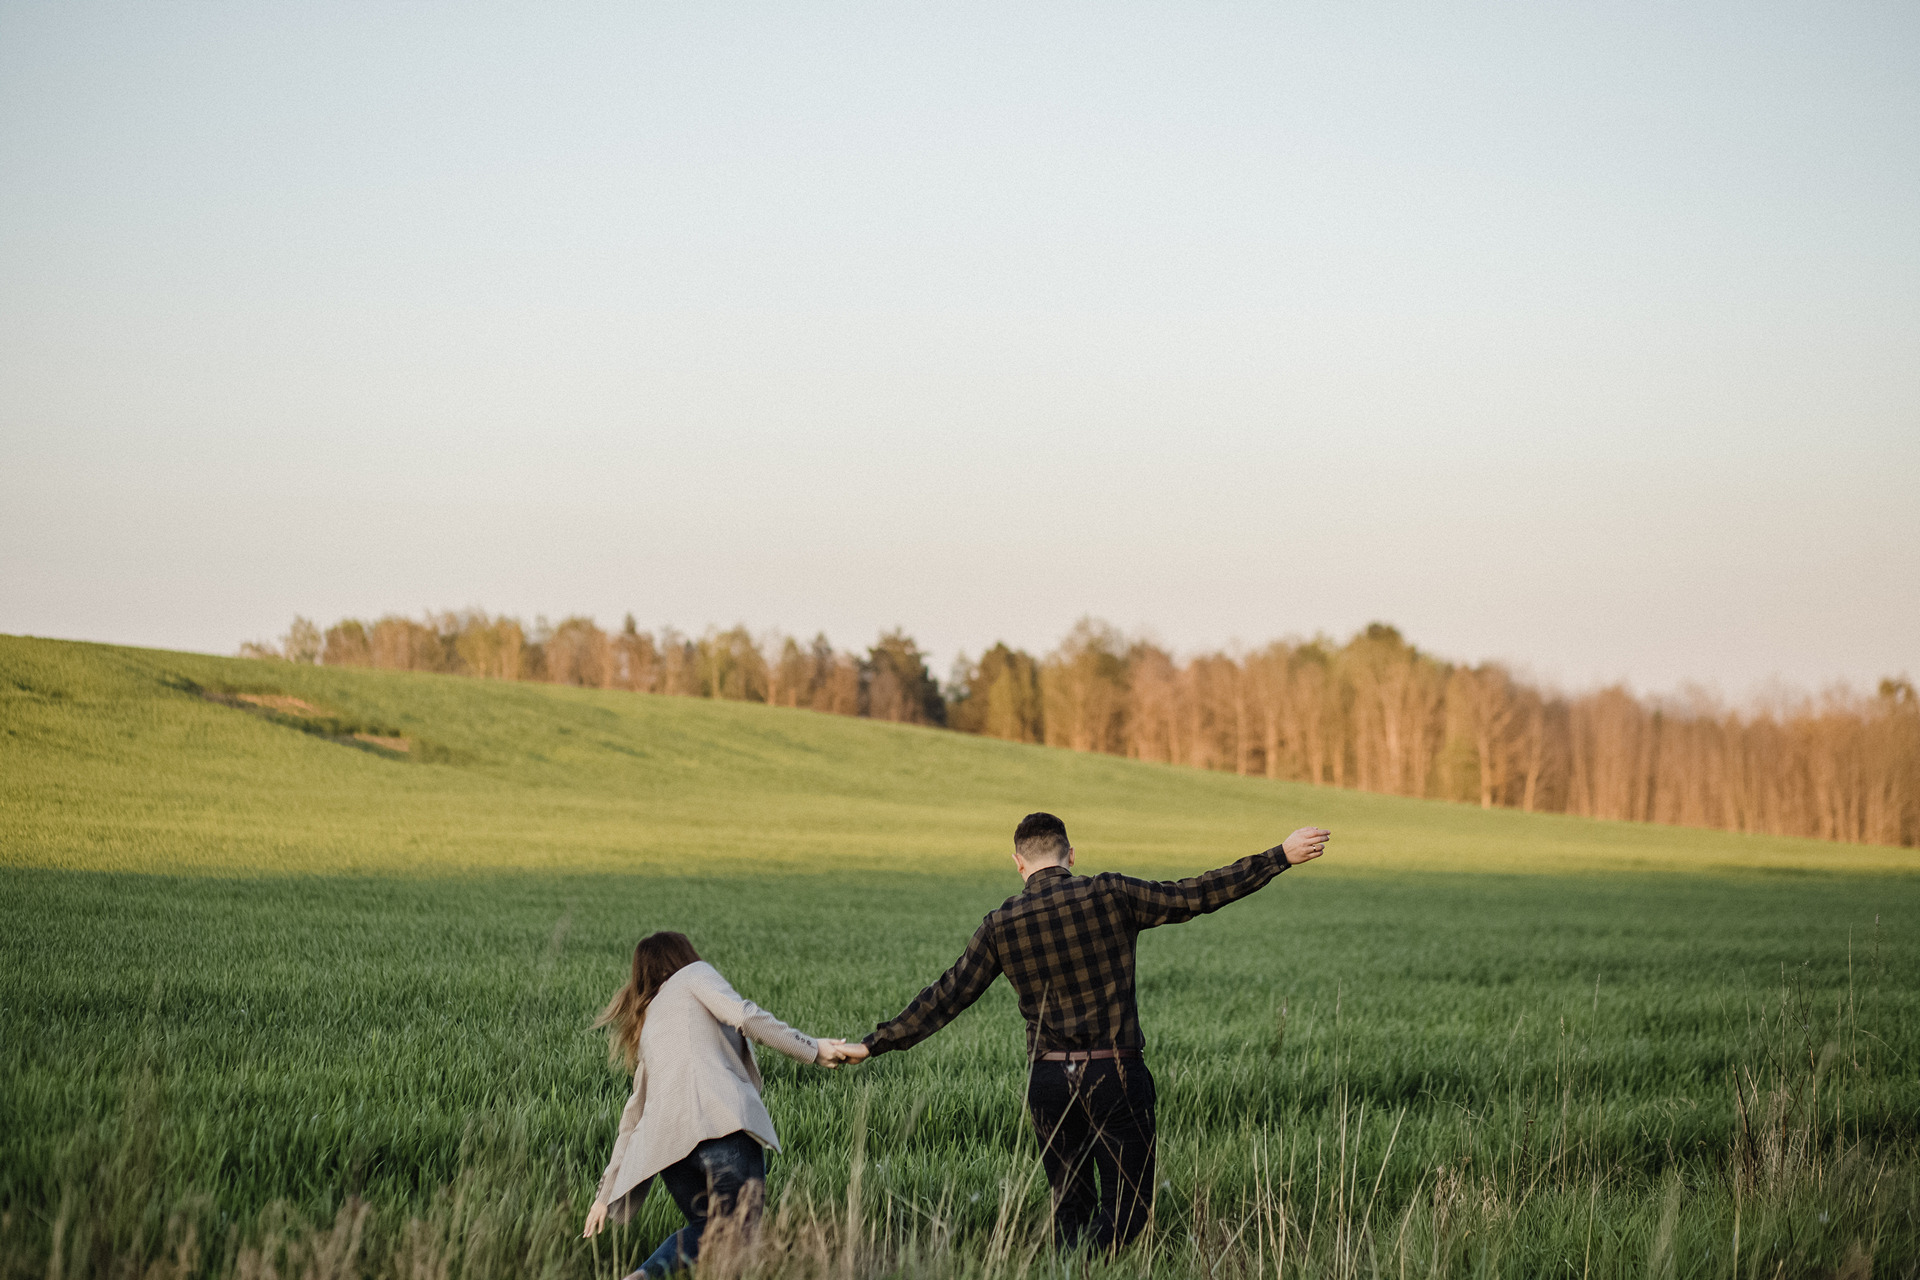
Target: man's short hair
{"type": "Point", "coordinates": [1041, 837]}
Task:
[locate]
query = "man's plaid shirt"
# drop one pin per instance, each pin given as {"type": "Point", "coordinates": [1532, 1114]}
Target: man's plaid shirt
{"type": "Point", "coordinates": [1065, 942]}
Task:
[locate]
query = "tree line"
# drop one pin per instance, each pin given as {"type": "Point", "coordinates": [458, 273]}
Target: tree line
{"type": "Point", "coordinates": [890, 682]}
{"type": "Point", "coordinates": [1374, 713]}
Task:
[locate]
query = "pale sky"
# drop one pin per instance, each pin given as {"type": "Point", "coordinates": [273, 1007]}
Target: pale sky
{"type": "Point", "coordinates": [1583, 337]}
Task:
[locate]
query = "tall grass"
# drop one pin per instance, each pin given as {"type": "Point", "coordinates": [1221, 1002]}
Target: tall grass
{"type": "Point", "coordinates": [1357, 1077]}
{"type": "Point", "coordinates": [1520, 1189]}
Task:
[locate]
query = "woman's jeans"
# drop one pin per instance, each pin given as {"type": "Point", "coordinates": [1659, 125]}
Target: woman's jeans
{"type": "Point", "coordinates": [709, 1182]}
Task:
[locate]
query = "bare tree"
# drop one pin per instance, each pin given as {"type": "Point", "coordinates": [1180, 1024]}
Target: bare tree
{"type": "Point", "coordinates": [579, 653]}
{"type": "Point", "coordinates": [833, 685]}
{"type": "Point", "coordinates": [303, 642]}
{"type": "Point", "coordinates": [788, 669]}
{"type": "Point", "coordinates": [636, 659]}
{"type": "Point", "coordinates": [1153, 703]}
{"type": "Point", "coordinates": [1483, 710]}
{"type": "Point", "coordinates": [1398, 696]}
{"type": "Point", "coordinates": [346, 645]}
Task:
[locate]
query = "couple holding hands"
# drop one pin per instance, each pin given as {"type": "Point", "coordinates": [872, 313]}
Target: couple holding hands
{"type": "Point", "coordinates": [696, 1121]}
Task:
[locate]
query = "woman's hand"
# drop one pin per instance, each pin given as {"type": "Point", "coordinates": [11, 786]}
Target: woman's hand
{"type": "Point", "coordinates": [596, 1219]}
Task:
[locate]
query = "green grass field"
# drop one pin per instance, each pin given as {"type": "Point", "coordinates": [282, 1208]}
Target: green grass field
{"type": "Point", "coordinates": [251, 977]}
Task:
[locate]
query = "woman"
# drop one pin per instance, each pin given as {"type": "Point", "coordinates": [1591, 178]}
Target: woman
{"type": "Point", "coordinates": [695, 1117]}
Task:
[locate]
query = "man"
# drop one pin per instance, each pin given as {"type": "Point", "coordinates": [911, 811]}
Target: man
{"type": "Point", "coordinates": [1066, 943]}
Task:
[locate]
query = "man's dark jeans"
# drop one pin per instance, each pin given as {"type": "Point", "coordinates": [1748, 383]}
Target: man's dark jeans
{"type": "Point", "coordinates": [708, 1183]}
{"type": "Point", "coordinates": [1095, 1118]}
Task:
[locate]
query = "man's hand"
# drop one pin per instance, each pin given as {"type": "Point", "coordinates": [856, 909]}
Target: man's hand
{"type": "Point", "coordinates": [596, 1219]}
{"type": "Point", "coordinates": [1305, 845]}
{"type": "Point", "coordinates": [855, 1052]}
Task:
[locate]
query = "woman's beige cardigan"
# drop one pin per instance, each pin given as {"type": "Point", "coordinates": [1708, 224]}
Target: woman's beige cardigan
{"type": "Point", "coordinates": [696, 1079]}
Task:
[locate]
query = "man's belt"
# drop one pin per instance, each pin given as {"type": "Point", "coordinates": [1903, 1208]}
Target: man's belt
{"type": "Point", "coordinates": [1090, 1055]}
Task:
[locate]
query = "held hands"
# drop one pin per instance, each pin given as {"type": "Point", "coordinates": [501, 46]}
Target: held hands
{"type": "Point", "coordinates": [1305, 845]}
{"type": "Point", "coordinates": [835, 1052]}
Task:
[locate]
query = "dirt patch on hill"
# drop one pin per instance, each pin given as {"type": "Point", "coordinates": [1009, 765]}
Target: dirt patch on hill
{"type": "Point", "coordinates": [284, 703]}
{"type": "Point", "coordinates": [290, 712]}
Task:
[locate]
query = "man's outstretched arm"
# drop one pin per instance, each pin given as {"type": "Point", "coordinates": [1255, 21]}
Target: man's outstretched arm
{"type": "Point", "coordinates": [942, 1002]}
{"type": "Point", "coordinates": [1157, 902]}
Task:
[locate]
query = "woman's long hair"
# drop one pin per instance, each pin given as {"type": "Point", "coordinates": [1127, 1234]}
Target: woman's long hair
{"type": "Point", "coordinates": [658, 957]}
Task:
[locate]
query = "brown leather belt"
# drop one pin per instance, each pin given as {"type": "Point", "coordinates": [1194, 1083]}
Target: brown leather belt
{"type": "Point", "coordinates": [1090, 1055]}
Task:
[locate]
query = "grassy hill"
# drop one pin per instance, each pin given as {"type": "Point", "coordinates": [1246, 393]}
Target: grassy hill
{"type": "Point", "coordinates": [128, 759]}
